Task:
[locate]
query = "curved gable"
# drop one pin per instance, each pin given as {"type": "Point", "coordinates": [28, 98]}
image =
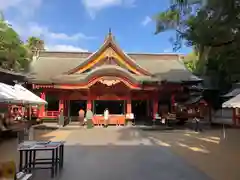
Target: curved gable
{"type": "Point", "coordinates": [111, 70]}
{"type": "Point", "coordinates": [110, 50]}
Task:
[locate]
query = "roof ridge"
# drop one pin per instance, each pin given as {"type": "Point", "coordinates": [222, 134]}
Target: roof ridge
{"type": "Point", "coordinates": [149, 53]}
{"type": "Point", "coordinates": [52, 57]}
{"type": "Point", "coordinates": [74, 52]}
{"type": "Point", "coordinates": [129, 53]}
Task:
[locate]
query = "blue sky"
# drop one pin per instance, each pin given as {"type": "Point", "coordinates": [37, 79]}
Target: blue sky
{"type": "Point", "coordinates": [81, 25]}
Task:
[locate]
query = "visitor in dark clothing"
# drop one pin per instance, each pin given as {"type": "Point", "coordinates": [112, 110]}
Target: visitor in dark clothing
{"type": "Point", "coordinates": [197, 120]}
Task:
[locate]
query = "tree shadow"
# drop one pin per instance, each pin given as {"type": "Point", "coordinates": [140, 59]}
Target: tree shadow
{"type": "Point", "coordinates": [122, 162]}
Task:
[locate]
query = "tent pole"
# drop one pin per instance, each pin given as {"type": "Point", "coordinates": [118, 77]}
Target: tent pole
{"type": "Point", "coordinates": [30, 113]}
{"type": "Point", "coordinates": [224, 132]}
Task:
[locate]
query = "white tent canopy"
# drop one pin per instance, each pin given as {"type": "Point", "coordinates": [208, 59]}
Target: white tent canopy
{"type": "Point", "coordinates": [28, 94]}
{"type": "Point", "coordinates": [7, 98]}
{"type": "Point", "coordinates": [18, 94]}
{"type": "Point", "coordinates": [8, 94]}
{"type": "Point", "coordinates": [232, 103]}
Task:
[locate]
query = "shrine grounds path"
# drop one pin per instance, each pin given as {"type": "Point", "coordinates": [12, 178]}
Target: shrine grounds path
{"type": "Point", "coordinates": [129, 153]}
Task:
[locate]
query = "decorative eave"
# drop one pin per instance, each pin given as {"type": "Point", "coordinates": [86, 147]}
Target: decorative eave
{"type": "Point", "coordinates": [45, 86]}
{"type": "Point", "coordinates": [110, 43]}
{"type": "Point", "coordinates": [102, 71]}
{"type": "Point", "coordinates": [108, 74]}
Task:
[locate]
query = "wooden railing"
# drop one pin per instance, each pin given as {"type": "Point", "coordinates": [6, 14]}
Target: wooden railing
{"type": "Point", "coordinates": [51, 114]}
{"type": "Point", "coordinates": [113, 119]}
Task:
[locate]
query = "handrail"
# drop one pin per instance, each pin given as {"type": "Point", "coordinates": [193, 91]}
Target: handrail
{"type": "Point", "coordinates": [52, 113]}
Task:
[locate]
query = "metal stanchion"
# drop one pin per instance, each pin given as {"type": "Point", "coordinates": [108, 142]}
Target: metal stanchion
{"type": "Point", "coordinates": [20, 135]}
{"type": "Point", "coordinates": [224, 132]}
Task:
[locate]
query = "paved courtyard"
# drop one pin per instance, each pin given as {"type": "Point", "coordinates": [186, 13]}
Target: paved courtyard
{"type": "Point", "coordinates": [130, 153]}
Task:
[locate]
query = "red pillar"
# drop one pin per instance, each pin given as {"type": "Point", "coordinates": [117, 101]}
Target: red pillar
{"type": "Point", "coordinates": [89, 101]}
{"type": "Point", "coordinates": [149, 106]}
{"type": "Point", "coordinates": [155, 107]}
{"type": "Point", "coordinates": [61, 105]}
{"type": "Point", "coordinates": [173, 102]}
{"type": "Point", "coordinates": [129, 106]}
{"type": "Point", "coordinates": [65, 107]}
{"type": "Point", "coordinates": [237, 117]}
{"type": "Point", "coordinates": [42, 107]}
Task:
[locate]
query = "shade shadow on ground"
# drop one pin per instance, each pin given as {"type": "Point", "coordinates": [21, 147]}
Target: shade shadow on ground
{"type": "Point", "coordinates": [123, 162]}
{"type": "Point", "coordinates": [130, 153]}
{"type": "Point", "coordinates": [209, 151]}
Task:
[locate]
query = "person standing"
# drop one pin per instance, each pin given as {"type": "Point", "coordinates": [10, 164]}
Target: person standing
{"type": "Point", "coordinates": [197, 120]}
{"type": "Point", "coordinates": [89, 118]}
{"type": "Point", "coordinates": [81, 113]}
{"type": "Point", "coordinates": [106, 117]}
{"type": "Point", "coordinates": [61, 118]}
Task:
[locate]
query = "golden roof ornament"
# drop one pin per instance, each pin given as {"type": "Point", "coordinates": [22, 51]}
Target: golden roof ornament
{"type": "Point", "coordinates": [110, 32]}
{"type": "Point", "coordinates": [110, 35]}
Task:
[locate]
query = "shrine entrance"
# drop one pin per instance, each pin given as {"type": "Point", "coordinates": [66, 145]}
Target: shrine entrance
{"type": "Point", "coordinates": [115, 107]}
{"type": "Point", "coordinates": [140, 110]}
{"type": "Point", "coordinates": [75, 106]}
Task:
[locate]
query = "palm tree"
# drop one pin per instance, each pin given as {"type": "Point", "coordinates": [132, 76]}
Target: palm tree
{"type": "Point", "coordinates": [35, 44]}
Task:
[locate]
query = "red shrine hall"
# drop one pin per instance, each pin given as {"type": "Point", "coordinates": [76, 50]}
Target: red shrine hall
{"type": "Point", "coordinates": [140, 83]}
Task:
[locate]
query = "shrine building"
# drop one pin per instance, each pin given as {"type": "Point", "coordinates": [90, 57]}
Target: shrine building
{"type": "Point", "coordinates": [125, 83]}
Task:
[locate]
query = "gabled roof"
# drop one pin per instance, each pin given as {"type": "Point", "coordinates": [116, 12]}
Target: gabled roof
{"type": "Point", "coordinates": [232, 103]}
{"type": "Point", "coordinates": [49, 66]}
{"type": "Point", "coordinates": [110, 43]}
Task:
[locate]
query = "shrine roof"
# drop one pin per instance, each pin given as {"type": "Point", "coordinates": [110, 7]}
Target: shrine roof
{"type": "Point", "coordinates": [107, 70]}
{"type": "Point", "coordinates": [168, 67]}
{"type": "Point", "coordinates": [47, 66]}
{"type": "Point", "coordinates": [193, 100]}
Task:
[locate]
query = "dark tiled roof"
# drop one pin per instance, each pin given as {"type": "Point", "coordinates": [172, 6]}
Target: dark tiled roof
{"type": "Point", "coordinates": [11, 72]}
{"type": "Point", "coordinates": [107, 70]}
{"type": "Point", "coordinates": [50, 65]}
{"type": "Point", "coordinates": [8, 77]}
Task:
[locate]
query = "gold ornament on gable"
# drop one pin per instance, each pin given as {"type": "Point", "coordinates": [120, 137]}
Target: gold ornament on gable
{"type": "Point", "coordinates": [110, 53]}
{"type": "Point", "coordinates": [109, 82]}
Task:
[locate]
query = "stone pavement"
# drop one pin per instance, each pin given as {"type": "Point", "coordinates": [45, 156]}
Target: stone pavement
{"type": "Point", "coordinates": [209, 151]}
{"type": "Point", "coordinates": [117, 153]}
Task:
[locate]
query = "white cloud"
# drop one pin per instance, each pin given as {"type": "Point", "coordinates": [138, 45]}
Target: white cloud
{"type": "Point", "coordinates": [34, 29]}
{"type": "Point", "coordinates": [22, 21]}
{"type": "Point", "coordinates": [168, 50]}
{"type": "Point", "coordinates": [55, 41]}
{"type": "Point", "coordinates": [92, 6]}
{"type": "Point", "coordinates": [146, 21]}
{"type": "Point", "coordinates": [25, 7]}
{"type": "Point", "coordinates": [73, 37]}
{"type": "Point", "coordinates": [10, 3]}
{"type": "Point", "coordinates": [62, 47]}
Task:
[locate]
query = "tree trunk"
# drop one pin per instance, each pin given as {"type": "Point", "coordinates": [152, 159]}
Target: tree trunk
{"type": "Point", "coordinates": [203, 59]}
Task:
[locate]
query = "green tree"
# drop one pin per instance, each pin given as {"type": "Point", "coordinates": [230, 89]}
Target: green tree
{"type": "Point", "coordinates": [190, 61]}
{"type": "Point", "coordinates": [13, 54]}
{"type": "Point", "coordinates": [212, 27]}
{"type": "Point", "coordinates": [35, 44]}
